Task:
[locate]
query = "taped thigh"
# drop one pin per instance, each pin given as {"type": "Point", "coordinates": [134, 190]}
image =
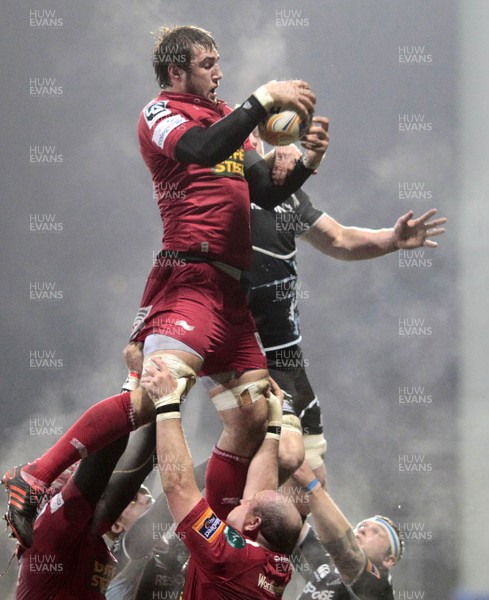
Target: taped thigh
{"type": "Point", "coordinates": [240, 395]}
{"type": "Point", "coordinates": [175, 365]}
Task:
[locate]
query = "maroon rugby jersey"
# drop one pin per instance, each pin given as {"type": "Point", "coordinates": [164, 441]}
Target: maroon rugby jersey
{"type": "Point", "coordinates": [226, 565]}
{"type": "Point", "coordinates": [205, 210]}
{"type": "Point", "coordinates": [68, 560]}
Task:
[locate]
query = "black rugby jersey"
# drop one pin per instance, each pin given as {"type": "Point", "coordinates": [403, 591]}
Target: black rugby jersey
{"type": "Point", "coordinates": [274, 288]}
{"type": "Point", "coordinates": [324, 580]}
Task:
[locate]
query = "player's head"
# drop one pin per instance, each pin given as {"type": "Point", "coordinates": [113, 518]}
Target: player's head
{"type": "Point", "coordinates": [380, 540]}
{"type": "Point", "coordinates": [270, 518]}
{"type": "Point", "coordinates": [185, 59]}
{"type": "Point", "coordinates": [133, 511]}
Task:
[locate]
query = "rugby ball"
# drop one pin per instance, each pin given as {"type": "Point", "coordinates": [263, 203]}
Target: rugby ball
{"type": "Point", "coordinates": [283, 126]}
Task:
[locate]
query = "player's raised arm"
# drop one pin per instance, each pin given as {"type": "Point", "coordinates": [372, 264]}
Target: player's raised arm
{"type": "Point", "coordinates": [263, 472]}
{"type": "Point", "coordinates": [174, 460]}
{"type": "Point", "coordinates": [333, 528]}
{"type": "Point", "coordinates": [359, 243]}
{"type": "Point", "coordinates": [211, 145]}
{"type": "Point", "coordinates": [265, 190]}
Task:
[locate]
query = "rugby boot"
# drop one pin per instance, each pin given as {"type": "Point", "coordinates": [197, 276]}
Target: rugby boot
{"type": "Point", "coordinates": [22, 506]}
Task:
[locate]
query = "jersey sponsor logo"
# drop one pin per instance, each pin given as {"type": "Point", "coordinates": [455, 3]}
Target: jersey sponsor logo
{"type": "Point", "coordinates": [285, 207]}
{"type": "Point", "coordinates": [139, 320]}
{"type": "Point", "coordinates": [371, 568]}
{"type": "Point", "coordinates": [165, 127]}
{"type": "Point", "coordinates": [209, 526]}
{"type": "Point", "coordinates": [234, 538]}
{"type": "Point", "coordinates": [311, 591]}
{"type": "Point", "coordinates": [283, 564]}
{"type": "Point", "coordinates": [269, 586]}
{"type": "Point", "coordinates": [56, 502]}
{"type": "Point", "coordinates": [155, 111]}
{"type": "Point", "coordinates": [102, 573]}
{"type": "Point", "coordinates": [232, 166]}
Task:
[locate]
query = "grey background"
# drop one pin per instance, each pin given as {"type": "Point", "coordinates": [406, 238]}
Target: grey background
{"type": "Point", "coordinates": [100, 198]}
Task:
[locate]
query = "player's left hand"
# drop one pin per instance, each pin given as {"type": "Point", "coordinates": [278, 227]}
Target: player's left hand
{"type": "Point", "coordinates": [133, 355]}
{"type": "Point", "coordinates": [275, 389]}
{"type": "Point", "coordinates": [284, 158]}
{"type": "Point", "coordinates": [316, 141]}
{"type": "Point", "coordinates": [413, 233]}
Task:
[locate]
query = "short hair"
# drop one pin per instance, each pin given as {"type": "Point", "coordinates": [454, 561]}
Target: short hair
{"type": "Point", "coordinates": [278, 526]}
{"type": "Point", "coordinates": [396, 538]}
{"type": "Point", "coordinates": [400, 537]}
{"type": "Point", "coordinates": [174, 46]}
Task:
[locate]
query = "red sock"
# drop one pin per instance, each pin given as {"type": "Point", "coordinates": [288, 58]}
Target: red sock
{"type": "Point", "coordinates": [101, 424]}
{"type": "Point", "coordinates": [225, 480]}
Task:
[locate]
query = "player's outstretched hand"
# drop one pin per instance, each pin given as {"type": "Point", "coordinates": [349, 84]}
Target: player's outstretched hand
{"type": "Point", "coordinates": [294, 93]}
{"type": "Point", "coordinates": [413, 233]}
{"type": "Point", "coordinates": [316, 141]}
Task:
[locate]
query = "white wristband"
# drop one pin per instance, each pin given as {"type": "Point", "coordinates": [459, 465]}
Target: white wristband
{"type": "Point", "coordinates": [264, 97]}
{"type": "Point", "coordinates": [132, 381]}
{"type": "Point", "coordinates": [309, 163]}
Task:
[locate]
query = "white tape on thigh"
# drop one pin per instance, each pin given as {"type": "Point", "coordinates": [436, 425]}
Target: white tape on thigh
{"type": "Point", "coordinates": [315, 447]}
{"type": "Point", "coordinates": [176, 366]}
{"type": "Point", "coordinates": [241, 395]}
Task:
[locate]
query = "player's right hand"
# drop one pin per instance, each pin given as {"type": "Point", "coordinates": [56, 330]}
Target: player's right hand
{"type": "Point", "coordinates": [294, 93]}
{"type": "Point", "coordinates": [156, 380]}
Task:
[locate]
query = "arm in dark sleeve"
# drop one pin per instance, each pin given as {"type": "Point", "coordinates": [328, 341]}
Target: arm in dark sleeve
{"type": "Point", "coordinates": [139, 540]}
{"type": "Point", "coordinates": [94, 471]}
{"type": "Point", "coordinates": [132, 469]}
{"type": "Point", "coordinates": [208, 146]}
{"type": "Point", "coordinates": [262, 189]}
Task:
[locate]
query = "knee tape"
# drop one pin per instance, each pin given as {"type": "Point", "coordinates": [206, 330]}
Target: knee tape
{"type": "Point", "coordinates": [315, 447]}
{"type": "Point", "coordinates": [176, 366]}
{"type": "Point", "coordinates": [241, 395]}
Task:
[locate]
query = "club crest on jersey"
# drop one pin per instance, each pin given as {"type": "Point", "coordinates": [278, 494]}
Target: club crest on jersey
{"type": "Point", "coordinates": [155, 111]}
{"type": "Point", "coordinates": [209, 525]}
{"type": "Point", "coordinates": [322, 571]}
{"type": "Point", "coordinates": [234, 538]}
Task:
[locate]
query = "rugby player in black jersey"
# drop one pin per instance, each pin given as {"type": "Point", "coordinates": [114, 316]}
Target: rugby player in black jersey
{"type": "Point", "coordinates": [273, 293]}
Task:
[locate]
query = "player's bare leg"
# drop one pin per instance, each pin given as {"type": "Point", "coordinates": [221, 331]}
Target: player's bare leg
{"type": "Point", "coordinates": [244, 424]}
{"type": "Point", "coordinates": [242, 408]}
